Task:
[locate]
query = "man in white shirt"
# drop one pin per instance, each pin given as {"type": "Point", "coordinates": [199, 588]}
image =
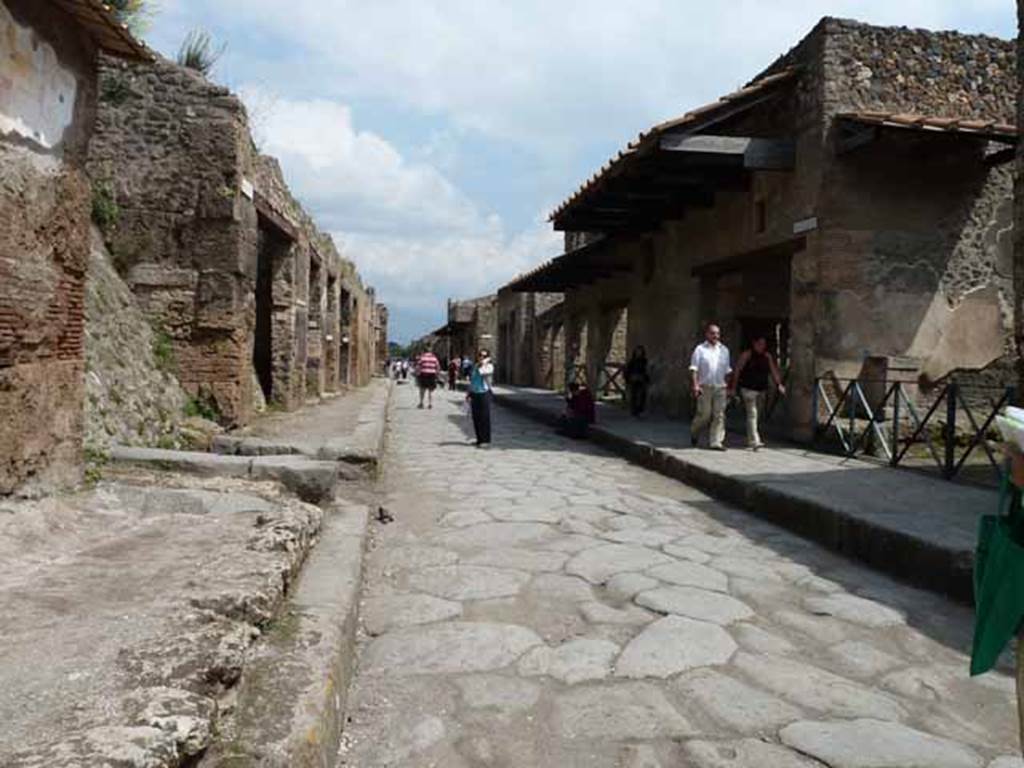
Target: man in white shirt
{"type": "Point", "coordinates": [710, 368]}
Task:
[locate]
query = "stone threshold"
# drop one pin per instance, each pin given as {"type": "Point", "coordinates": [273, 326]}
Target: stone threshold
{"type": "Point", "coordinates": [917, 529]}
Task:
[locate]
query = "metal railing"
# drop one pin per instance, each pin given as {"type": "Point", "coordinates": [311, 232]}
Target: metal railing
{"type": "Point", "coordinates": [892, 421]}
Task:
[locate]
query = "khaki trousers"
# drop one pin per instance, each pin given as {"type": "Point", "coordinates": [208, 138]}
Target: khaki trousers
{"type": "Point", "coordinates": [752, 400]}
{"type": "Point", "coordinates": [710, 412]}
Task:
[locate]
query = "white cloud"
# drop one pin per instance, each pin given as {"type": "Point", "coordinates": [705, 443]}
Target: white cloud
{"type": "Point", "coordinates": [411, 232]}
{"type": "Point", "coordinates": [544, 73]}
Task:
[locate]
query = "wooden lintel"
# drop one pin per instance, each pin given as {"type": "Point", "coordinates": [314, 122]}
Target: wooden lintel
{"type": "Point", "coordinates": [276, 221]}
{"type": "Point", "coordinates": [1001, 156]}
{"type": "Point", "coordinates": [757, 257]}
{"type": "Point", "coordinates": [755, 154]}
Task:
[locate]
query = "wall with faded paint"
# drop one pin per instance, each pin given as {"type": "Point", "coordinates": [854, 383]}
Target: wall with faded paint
{"type": "Point", "coordinates": [47, 103]}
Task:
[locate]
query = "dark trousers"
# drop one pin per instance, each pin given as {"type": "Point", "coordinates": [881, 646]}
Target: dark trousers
{"type": "Point", "coordinates": [637, 398]}
{"type": "Point", "coordinates": [480, 404]}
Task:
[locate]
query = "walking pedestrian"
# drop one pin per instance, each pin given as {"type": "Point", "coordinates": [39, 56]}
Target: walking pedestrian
{"type": "Point", "coordinates": [755, 369]}
{"type": "Point", "coordinates": [467, 367]}
{"type": "Point", "coordinates": [453, 371]}
{"type": "Point", "coordinates": [637, 380]}
{"type": "Point", "coordinates": [480, 382]}
{"type": "Point", "coordinates": [427, 368]}
{"type": "Point", "coordinates": [710, 370]}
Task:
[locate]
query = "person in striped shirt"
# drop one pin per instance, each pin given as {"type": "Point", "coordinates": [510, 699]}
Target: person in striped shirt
{"type": "Point", "coordinates": [427, 368]}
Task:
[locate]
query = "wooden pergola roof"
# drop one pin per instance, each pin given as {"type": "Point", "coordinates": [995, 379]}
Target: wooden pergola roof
{"type": "Point", "coordinates": [675, 165]}
{"type": "Point", "coordinates": [594, 261]}
{"type": "Point", "coordinates": [110, 34]}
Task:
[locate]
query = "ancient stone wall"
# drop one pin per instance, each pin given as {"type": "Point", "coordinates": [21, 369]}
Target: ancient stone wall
{"type": "Point", "coordinates": [220, 253]}
{"type": "Point", "coordinates": [382, 339]}
{"type": "Point", "coordinates": [46, 113]}
{"type": "Point", "coordinates": [173, 150]}
{"type": "Point", "coordinates": [1018, 212]}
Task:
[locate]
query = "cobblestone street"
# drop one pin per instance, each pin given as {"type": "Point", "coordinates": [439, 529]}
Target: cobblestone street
{"type": "Point", "coordinates": [542, 603]}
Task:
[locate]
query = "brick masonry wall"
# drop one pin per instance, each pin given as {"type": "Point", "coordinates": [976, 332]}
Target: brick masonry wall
{"type": "Point", "coordinates": [44, 251]}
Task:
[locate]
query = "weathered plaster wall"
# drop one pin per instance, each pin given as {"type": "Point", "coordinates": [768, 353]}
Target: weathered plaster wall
{"type": "Point", "coordinates": [44, 243]}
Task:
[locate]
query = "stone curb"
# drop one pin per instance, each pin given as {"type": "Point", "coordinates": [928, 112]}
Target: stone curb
{"type": "Point", "coordinates": [920, 563]}
{"type": "Point", "coordinates": [312, 481]}
{"type": "Point", "coordinates": [293, 692]}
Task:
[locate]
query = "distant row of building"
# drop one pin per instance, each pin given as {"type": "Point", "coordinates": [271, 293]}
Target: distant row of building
{"type": "Point", "coordinates": [258, 303]}
{"type": "Point", "coordinates": [853, 202]}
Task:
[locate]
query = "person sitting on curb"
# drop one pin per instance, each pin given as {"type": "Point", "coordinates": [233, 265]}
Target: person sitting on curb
{"type": "Point", "coordinates": [580, 412]}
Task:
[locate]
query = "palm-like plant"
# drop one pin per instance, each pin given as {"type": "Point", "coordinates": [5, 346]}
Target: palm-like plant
{"type": "Point", "coordinates": [198, 52]}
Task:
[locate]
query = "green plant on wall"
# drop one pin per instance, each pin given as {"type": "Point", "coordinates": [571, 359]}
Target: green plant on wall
{"type": "Point", "coordinates": [203, 408]}
{"type": "Point", "coordinates": [105, 213]}
{"type": "Point", "coordinates": [163, 349]}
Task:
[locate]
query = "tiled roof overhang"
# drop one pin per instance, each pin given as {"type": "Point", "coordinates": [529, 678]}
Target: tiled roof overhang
{"type": "Point", "coordinates": [990, 130]}
{"type": "Point", "coordinates": [109, 34]}
{"type": "Point", "coordinates": [594, 261]}
{"type": "Point", "coordinates": [645, 183]}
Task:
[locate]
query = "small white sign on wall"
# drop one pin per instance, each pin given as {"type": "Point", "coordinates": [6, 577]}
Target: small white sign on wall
{"type": "Point", "coordinates": [805, 225]}
{"type": "Point", "coordinates": [247, 188]}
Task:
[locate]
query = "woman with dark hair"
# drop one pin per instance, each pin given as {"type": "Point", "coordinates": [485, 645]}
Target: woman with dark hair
{"type": "Point", "coordinates": [755, 370]}
{"type": "Point", "coordinates": [637, 380]}
{"type": "Point", "coordinates": [479, 397]}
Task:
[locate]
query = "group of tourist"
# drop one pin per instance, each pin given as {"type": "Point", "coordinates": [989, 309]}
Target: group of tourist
{"type": "Point", "coordinates": [712, 378]}
{"type": "Point", "coordinates": [481, 377]}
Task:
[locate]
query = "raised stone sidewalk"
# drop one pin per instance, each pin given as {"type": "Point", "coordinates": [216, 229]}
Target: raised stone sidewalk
{"type": "Point", "coordinates": [917, 528]}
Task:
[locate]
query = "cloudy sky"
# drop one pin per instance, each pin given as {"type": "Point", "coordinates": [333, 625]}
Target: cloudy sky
{"type": "Point", "coordinates": [431, 137]}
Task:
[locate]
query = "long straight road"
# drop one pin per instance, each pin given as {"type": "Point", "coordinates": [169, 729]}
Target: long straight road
{"type": "Point", "coordinates": [543, 603]}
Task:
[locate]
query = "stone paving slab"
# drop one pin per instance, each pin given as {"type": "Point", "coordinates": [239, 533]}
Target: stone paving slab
{"type": "Point", "coordinates": [528, 643]}
{"type": "Point", "coordinates": [129, 610]}
{"type": "Point", "coordinates": [918, 528]}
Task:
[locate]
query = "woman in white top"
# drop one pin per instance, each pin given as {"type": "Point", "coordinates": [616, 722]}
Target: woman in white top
{"type": "Point", "coordinates": [480, 380]}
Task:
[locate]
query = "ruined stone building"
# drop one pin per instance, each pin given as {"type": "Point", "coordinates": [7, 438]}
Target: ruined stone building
{"type": "Point", "coordinates": [259, 304]}
{"type": "Point", "coordinates": [48, 94]}
{"type": "Point", "coordinates": [853, 203]}
{"type": "Point", "coordinates": [382, 339]}
{"type": "Point", "coordinates": [530, 349]}
{"type": "Point", "coordinates": [472, 325]}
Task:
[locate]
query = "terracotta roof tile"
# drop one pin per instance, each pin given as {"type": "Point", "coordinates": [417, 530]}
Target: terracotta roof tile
{"type": "Point", "coordinates": [109, 33]}
{"type": "Point", "coordinates": [953, 125]}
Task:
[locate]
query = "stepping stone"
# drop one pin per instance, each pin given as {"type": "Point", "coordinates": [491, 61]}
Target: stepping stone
{"type": "Point", "coordinates": [572, 662]}
{"type": "Point", "coordinates": [672, 645]}
{"type": "Point", "coordinates": [599, 564]}
{"type": "Point", "coordinates": [691, 575]}
{"type": "Point", "coordinates": [448, 648]}
{"type": "Point", "coordinates": [625, 586]}
{"type": "Point", "coordinates": [695, 603]}
{"type": "Point", "coordinates": [520, 559]}
{"type": "Point", "coordinates": [599, 613]}
{"type": "Point", "coordinates": [735, 705]}
{"type": "Point", "coordinates": [507, 694]}
{"type": "Point", "coordinates": [469, 582]}
{"type": "Point", "coordinates": [815, 689]}
{"type": "Point", "coordinates": [855, 609]}
{"type": "Point", "coordinates": [745, 753]}
{"type": "Point", "coordinates": [382, 614]}
{"type": "Point", "coordinates": [871, 743]}
{"type": "Point", "coordinates": [617, 712]}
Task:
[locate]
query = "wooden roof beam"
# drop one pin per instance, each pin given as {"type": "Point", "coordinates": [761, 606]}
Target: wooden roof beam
{"type": "Point", "coordinates": [754, 154]}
